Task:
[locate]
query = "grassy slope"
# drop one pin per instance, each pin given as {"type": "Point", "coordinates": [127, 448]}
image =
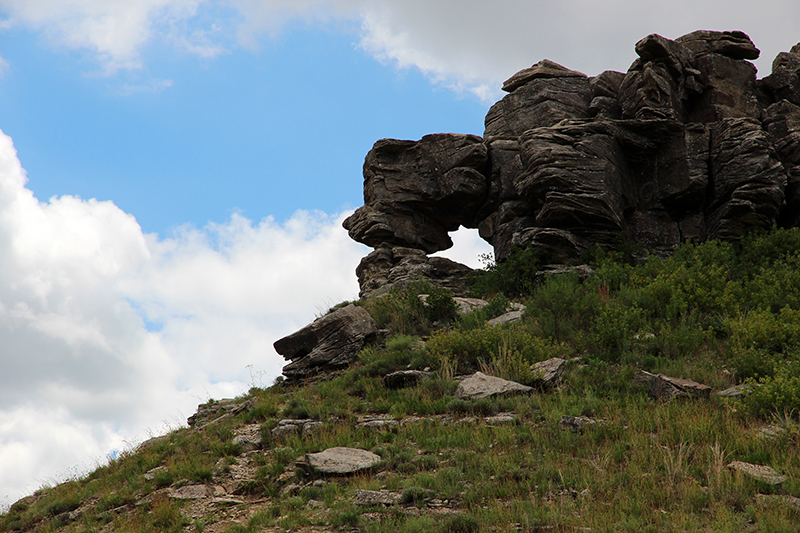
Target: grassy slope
{"type": "Point", "coordinates": [716, 313]}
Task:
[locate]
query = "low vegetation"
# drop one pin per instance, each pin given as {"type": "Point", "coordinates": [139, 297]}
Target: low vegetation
{"type": "Point", "coordinates": [717, 313]}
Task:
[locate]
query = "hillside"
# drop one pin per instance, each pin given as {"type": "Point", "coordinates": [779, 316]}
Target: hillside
{"type": "Point", "coordinates": [592, 451]}
{"type": "Point", "coordinates": [631, 362]}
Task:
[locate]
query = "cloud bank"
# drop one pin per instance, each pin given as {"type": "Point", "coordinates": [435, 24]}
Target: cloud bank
{"type": "Point", "coordinates": [109, 335]}
{"type": "Point", "coordinates": [107, 332]}
{"type": "Point", "coordinates": [469, 46]}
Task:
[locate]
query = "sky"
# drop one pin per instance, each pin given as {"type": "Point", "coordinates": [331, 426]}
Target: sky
{"type": "Point", "coordinates": [174, 174]}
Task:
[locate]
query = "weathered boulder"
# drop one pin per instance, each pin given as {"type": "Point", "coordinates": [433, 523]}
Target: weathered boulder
{"type": "Point", "coordinates": [479, 385]}
{"type": "Point", "coordinates": [341, 460]}
{"type": "Point", "coordinates": [330, 342]}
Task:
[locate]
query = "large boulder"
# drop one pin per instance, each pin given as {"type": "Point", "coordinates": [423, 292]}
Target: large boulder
{"type": "Point", "coordinates": [330, 342]}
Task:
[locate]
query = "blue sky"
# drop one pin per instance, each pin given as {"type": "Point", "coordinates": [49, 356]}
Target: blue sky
{"type": "Point", "coordinates": [262, 132]}
{"type": "Point", "coordinates": [174, 174]}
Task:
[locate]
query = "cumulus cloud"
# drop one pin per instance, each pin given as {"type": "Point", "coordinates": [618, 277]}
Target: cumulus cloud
{"type": "Point", "coordinates": [109, 333]}
{"type": "Point", "coordinates": [470, 46]}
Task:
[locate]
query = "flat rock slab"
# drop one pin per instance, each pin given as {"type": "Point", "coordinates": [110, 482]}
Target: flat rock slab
{"type": "Point", "coordinates": [189, 492]}
{"type": "Point", "coordinates": [341, 460]}
{"type": "Point", "coordinates": [374, 497]}
{"type": "Point", "coordinates": [479, 385]}
{"type": "Point", "coordinates": [763, 473]}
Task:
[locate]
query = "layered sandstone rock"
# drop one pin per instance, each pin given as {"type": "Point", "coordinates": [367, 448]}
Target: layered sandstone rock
{"type": "Point", "coordinates": [686, 145]}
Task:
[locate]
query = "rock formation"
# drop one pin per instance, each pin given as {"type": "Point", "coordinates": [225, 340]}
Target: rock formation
{"type": "Point", "coordinates": [687, 145]}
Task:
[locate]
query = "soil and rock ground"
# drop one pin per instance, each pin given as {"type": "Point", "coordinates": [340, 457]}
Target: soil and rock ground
{"type": "Point", "coordinates": [601, 409]}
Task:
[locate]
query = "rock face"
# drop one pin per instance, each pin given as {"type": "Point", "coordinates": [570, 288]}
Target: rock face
{"type": "Point", "coordinates": [686, 145]}
{"type": "Point", "coordinates": [328, 343]}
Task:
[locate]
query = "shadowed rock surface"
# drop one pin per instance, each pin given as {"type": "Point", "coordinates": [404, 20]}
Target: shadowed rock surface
{"type": "Point", "coordinates": [687, 145]}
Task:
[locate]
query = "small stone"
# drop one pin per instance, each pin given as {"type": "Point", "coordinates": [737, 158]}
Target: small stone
{"type": "Point", "coordinates": [763, 473]}
{"type": "Point", "coordinates": [341, 460]}
{"type": "Point", "coordinates": [373, 497]}
{"type": "Point", "coordinates": [577, 423]}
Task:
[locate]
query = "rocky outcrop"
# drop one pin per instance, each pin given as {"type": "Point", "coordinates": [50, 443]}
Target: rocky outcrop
{"type": "Point", "coordinates": [329, 343]}
{"type": "Point", "coordinates": [687, 145]}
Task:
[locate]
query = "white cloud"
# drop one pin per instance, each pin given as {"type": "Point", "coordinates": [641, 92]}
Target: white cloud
{"type": "Point", "coordinates": [467, 46]}
{"type": "Point", "coordinates": [83, 372]}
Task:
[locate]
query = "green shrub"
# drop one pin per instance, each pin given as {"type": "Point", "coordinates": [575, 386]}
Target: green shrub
{"type": "Point", "coordinates": [498, 304]}
{"type": "Point", "coordinates": [778, 394]}
{"type": "Point", "coordinates": [466, 351]}
{"type": "Point", "coordinates": [403, 312]}
{"type": "Point", "coordinates": [461, 523]}
{"type": "Point", "coordinates": [515, 276]}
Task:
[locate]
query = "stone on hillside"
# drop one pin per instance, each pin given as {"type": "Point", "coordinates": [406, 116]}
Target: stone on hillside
{"type": "Point", "coordinates": [666, 388]}
{"type": "Point", "coordinates": [341, 460]}
{"type": "Point", "coordinates": [404, 378]}
{"type": "Point", "coordinates": [479, 385]}
{"type": "Point", "coordinates": [396, 267]}
{"type": "Point", "coordinates": [151, 474]}
{"type": "Point", "coordinates": [550, 370]}
{"type": "Point", "coordinates": [190, 492]}
{"type": "Point", "coordinates": [791, 501]}
{"type": "Point", "coordinates": [515, 315]}
{"type": "Point", "coordinates": [248, 437]}
{"type": "Point", "coordinates": [736, 391]}
{"type": "Point", "coordinates": [290, 426]}
{"type": "Point", "coordinates": [763, 473]}
{"type": "Point", "coordinates": [363, 497]}
{"type": "Point", "coordinates": [330, 342]}
{"type": "Point", "coordinates": [468, 305]}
